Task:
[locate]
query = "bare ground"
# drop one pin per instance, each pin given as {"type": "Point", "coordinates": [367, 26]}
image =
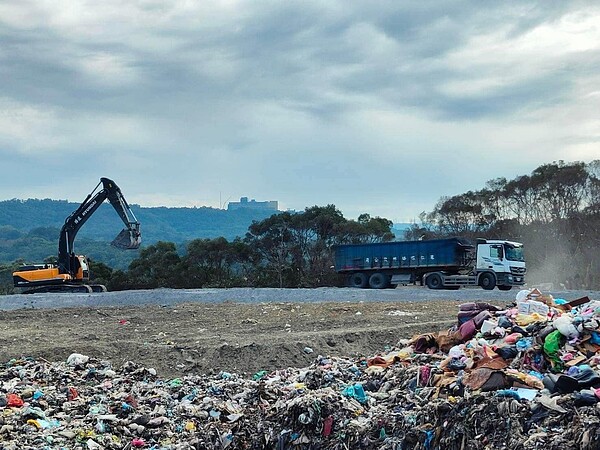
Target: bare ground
{"type": "Point", "coordinates": [210, 337]}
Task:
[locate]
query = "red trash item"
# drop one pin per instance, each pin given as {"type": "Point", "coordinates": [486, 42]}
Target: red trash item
{"type": "Point", "coordinates": [132, 401]}
{"type": "Point", "coordinates": [14, 400]}
{"type": "Point", "coordinates": [327, 425]}
{"type": "Point", "coordinates": [513, 338]}
{"type": "Point", "coordinates": [467, 330]}
{"type": "Point", "coordinates": [137, 442]}
{"type": "Point", "coordinates": [72, 394]}
{"type": "Point", "coordinates": [377, 361]}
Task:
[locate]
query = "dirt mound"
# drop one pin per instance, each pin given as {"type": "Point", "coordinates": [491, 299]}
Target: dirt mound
{"type": "Point", "coordinates": [208, 337]}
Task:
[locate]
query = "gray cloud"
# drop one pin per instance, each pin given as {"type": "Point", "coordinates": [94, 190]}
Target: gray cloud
{"type": "Point", "coordinates": [296, 101]}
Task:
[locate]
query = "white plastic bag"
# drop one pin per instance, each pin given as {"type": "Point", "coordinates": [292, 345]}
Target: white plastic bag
{"type": "Point", "coordinates": [522, 295]}
{"type": "Point", "coordinates": [566, 327]}
{"type": "Point", "coordinates": [77, 359]}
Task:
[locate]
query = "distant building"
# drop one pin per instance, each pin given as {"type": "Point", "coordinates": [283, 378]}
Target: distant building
{"type": "Point", "coordinates": [253, 204]}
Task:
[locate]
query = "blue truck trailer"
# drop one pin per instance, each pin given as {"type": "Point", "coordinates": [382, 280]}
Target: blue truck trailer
{"type": "Point", "coordinates": [437, 263]}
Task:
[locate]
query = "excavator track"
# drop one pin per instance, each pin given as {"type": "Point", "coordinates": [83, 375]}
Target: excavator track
{"type": "Point", "coordinates": [62, 288]}
{"type": "Point", "coordinates": [98, 288]}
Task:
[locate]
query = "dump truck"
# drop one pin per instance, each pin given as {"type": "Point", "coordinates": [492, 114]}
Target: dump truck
{"type": "Point", "coordinates": [436, 263]}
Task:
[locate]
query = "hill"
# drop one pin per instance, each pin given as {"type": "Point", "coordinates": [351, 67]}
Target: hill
{"type": "Point", "coordinates": [158, 223]}
{"type": "Point", "coordinates": [29, 229]}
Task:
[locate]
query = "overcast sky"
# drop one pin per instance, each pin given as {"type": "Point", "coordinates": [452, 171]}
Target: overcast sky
{"type": "Point", "coordinates": [377, 107]}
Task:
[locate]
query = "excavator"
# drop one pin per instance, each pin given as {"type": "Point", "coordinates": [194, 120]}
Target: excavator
{"type": "Point", "coordinates": [71, 273]}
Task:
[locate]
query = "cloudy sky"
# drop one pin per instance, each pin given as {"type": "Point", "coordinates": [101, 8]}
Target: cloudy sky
{"type": "Point", "coordinates": [378, 107]}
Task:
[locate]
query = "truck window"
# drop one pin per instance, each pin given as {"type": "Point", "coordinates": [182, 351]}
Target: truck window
{"type": "Point", "coordinates": [496, 251]}
{"type": "Point", "coordinates": [514, 253]}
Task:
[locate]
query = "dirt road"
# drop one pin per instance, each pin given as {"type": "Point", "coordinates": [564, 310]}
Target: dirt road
{"type": "Point", "coordinates": [204, 337]}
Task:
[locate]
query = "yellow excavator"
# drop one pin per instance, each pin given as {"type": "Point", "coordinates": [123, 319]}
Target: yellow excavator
{"type": "Point", "coordinates": [71, 273]}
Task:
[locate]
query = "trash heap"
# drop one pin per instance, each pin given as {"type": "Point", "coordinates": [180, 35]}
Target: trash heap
{"type": "Point", "coordinates": [522, 377]}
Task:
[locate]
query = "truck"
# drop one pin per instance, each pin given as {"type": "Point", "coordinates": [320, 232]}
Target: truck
{"type": "Point", "coordinates": [436, 263]}
{"type": "Point", "coordinates": [71, 272]}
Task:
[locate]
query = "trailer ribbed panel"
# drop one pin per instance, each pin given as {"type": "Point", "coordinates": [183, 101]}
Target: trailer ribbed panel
{"type": "Point", "coordinates": [437, 254]}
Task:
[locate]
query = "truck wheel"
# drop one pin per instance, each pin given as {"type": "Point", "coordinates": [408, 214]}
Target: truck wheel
{"type": "Point", "coordinates": [505, 288]}
{"type": "Point", "coordinates": [378, 281]}
{"type": "Point", "coordinates": [358, 280]}
{"type": "Point", "coordinates": [434, 281]}
{"type": "Point", "coordinates": [487, 281]}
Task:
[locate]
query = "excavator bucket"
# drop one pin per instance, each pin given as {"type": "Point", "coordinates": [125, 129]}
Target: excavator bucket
{"type": "Point", "coordinates": [127, 240]}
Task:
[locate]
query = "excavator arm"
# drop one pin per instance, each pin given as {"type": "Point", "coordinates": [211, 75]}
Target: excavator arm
{"type": "Point", "coordinates": [128, 238]}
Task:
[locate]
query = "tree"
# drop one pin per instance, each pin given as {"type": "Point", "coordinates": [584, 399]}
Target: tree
{"type": "Point", "coordinates": [461, 215]}
{"type": "Point", "coordinates": [6, 281]}
{"type": "Point", "coordinates": [297, 249]}
{"type": "Point", "coordinates": [157, 266]}
{"type": "Point", "coordinates": [48, 233]}
{"type": "Point", "coordinates": [272, 240]}
{"type": "Point", "coordinates": [216, 262]}
{"type": "Point", "coordinates": [421, 231]}
{"type": "Point", "coordinates": [100, 273]}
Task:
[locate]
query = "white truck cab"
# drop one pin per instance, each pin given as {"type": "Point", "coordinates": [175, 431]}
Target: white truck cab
{"type": "Point", "coordinates": [504, 258]}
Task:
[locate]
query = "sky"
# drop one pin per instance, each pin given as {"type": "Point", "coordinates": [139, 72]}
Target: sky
{"type": "Point", "coordinates": [376, 107]}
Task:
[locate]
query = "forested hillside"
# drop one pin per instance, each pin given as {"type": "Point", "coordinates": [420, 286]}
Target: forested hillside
{"type": "Point", "coordinates": [554, 211]}
{"type": "Point", "coordinates": [18, 217]}
{"type": "Point", "coordinates": [29, 229]}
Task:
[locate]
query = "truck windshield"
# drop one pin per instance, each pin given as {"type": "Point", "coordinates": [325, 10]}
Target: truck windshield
{"type": "Point", "coordinates": [514, 253]}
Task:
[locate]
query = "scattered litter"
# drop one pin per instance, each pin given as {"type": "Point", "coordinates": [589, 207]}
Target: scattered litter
{"type": "Point", "coordinates": [522, 381]}
{"type": "Point", "coordinates": [398, 313]}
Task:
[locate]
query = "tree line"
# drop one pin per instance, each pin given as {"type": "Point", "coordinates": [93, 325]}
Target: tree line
{"type": "Point", "coordinates": [287, 249]}
{"type": "Point", "coordinates": [554, 211]}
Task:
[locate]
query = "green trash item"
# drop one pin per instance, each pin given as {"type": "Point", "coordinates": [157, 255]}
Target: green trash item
{"type": "Point", "coordinates": [175, 382]}
{"type": "Point", "coordinates": [552, 344]}
{"type": "Point", "coordinates": [258, 375]}
{"type": "Point", "coordinates": [357, 392]}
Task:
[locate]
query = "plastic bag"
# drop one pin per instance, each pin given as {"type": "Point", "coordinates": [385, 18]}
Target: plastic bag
{"type": "Point", "coordinates": [522, 295]}
{"type": "Point", "coordinates": [566, 327]}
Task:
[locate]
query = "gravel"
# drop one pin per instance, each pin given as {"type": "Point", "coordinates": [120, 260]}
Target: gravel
{"type": "Point", "coordinates": [254, 295]}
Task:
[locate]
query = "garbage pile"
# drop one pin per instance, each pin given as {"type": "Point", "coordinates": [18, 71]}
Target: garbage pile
{"type": "Point", "coordinates": [523, 377]}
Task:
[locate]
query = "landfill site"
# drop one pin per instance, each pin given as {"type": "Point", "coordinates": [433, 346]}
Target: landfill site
{"type": "Point", "coordinates": [462, 370]}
